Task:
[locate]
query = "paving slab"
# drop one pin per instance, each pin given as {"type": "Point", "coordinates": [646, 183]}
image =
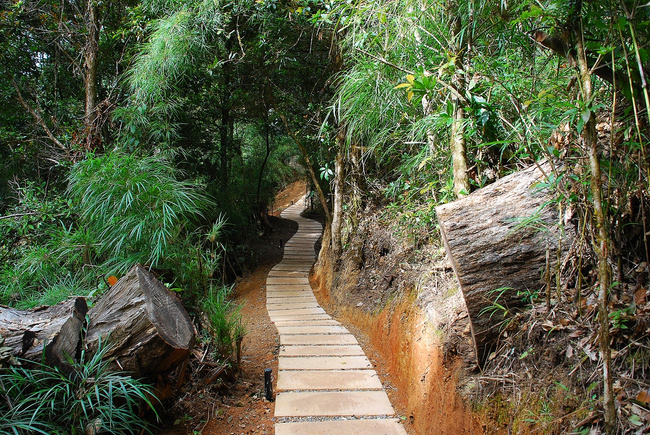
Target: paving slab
{"type": "Point", "coordinates": [328, 380]}
{"type": "Point", "coordinates": [280, 294]}
{"type": "Point", "coordinates": [281, 266]}
{"type": "Point", "coordinates": [375, 426]}
{"type": "Point", "coordinates": [288, 281]}
{"type": "Point", "coordinates": [314, 322]}
{"type": "Point", "coordinates": [312, 329]}
{"type": "Point", "coordinates": [324, 363]}
{"type": "Point", "coordinates": [272, 309]}
{"type": "Point", "coordinates": [283, 313]}
{"type": "Point", "coordinates": [286, 273]}
{"type": "Point", "coordinates": [291, 316]}
{"type": "Point", "coordinates": [288, 287]}
{"type": "Point", "coordinates": [276, 298]}
{"type": "Point", "coordinates": [294, 306]}
{"type": "Point", "coordinates": [337, 339]}
{"type": "Point", "coordinates": [293, 299]}
{"type": "Point", "coordinates": [321, 350]}
{"type": "Point", "coordinates": [298, 263]}
{"type": "Point", "coordinates": [332, 403]}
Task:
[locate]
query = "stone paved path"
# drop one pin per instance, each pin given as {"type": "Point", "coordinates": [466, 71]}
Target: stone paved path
{"type": "Point", "coordinates": [326, 385]}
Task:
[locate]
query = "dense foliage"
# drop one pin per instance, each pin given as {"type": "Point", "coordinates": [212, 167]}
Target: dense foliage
{"type": "Point", "coordinates": [158, 131]}
{"type": "Point", "coordinates": [91, 399]}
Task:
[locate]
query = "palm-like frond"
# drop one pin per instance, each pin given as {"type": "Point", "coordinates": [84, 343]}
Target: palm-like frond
{"type": "Point", "coordinates": [133, 206]}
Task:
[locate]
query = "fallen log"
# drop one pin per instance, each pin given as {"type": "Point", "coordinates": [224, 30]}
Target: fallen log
{"type": "Point", "coordinates": [501, 240]}
{"type": "Point", "coordinates": [146, 326]}
{"type": "Point", "coordinates": [58, 329]}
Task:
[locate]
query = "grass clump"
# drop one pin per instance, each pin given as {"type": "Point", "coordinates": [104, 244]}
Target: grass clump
{"type": "Point", "coordinates": [91, 399]}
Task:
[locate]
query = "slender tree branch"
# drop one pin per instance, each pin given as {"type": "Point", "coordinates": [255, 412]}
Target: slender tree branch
{"type": "Point", "coordinates": [449, 87]}
{"type": "Point", "coordinates": [37, 117]}
{"type": "Point", "coordinates": [561, 47]}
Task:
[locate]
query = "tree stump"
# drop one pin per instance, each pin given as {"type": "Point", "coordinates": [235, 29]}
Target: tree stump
{"type": "Point", "coordinates": [501, 240]}
{"type": "Point", "coordinates": [58, 328]}
{"type": "Point", "coordinates": [146, 326]}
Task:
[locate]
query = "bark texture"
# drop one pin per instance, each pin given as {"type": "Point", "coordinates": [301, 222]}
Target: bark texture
{"type": "Point", "coordinates": [147, 327]}
{"type": "Point", "coordinates": [337, 215]}
{"type": "Point", "coordinates": [57, 328]}
{"type": "Point", "coordinates": [495, 255]}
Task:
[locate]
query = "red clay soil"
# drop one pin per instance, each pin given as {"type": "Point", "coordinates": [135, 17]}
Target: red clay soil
{"type": "Point", "coordinates": [245, 410]}
{"type": "Point", "coordinates": [409, 361]}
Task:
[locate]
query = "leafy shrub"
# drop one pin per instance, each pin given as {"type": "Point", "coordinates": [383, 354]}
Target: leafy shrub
{"type": "Point", "coordinates": [91, 399]}
{"type": "Point", "coordinates": [224, 321]}
{"type": "Point", "coordinates": [134, 206]}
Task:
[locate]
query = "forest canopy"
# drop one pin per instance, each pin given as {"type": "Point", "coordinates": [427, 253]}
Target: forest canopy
{"type": "Point", "coordinates": [159, 131]}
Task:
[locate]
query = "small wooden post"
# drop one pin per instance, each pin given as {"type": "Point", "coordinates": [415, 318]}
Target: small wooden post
{"type": "Point", "coordinates": [268, 384]}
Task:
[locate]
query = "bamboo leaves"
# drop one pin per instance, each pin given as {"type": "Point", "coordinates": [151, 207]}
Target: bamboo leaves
{"type": "Point", "coordinates": [134, 206]}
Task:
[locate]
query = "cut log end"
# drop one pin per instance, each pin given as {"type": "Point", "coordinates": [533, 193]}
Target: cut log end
{"type": "Point", "coordinates": [148, 330]}
{"type": "Point", "coordinates": [497, 240]}
{"type": "Point", "coordinates": [146, 326]}
{"type": "Point", "coordinates": [57, 328]}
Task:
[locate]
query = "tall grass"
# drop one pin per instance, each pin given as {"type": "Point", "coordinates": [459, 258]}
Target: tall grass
{"type": "Point", "coordinates": [224, 320]}
{"type": "Point", "coordinates": [90, 400]}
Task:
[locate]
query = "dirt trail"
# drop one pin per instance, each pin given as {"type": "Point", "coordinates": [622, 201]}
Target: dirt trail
{"type": "Point", "coordinates": [238, 405]}
{"type": "Point", "coordinates": [244, 409]}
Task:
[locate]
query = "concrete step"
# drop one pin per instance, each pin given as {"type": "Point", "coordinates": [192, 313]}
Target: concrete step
{"type": "Point", "coordinates": [322, 350]}
{"type": "Point", "coordinates": [316, 339]}
{"type": "Point", "coordinates": [294, 306]}
{"type": "Point", "coordinates": [312, 329]}
{"type": "Point", "coordinates": [293, 299]}
{"type": "Point", "coordinates": [389, 426]}
{"type": "Point", "coordinates": [332, 403]}
{"type": "Point", "coordinates": [283, 313]}
{"type": "Point", "coordinates": [314, 322]}
{"type": "Point", "coordinates": [324, 363]}
{"type": "Point", "coordinates": [284, 316]}
{"type": "Point", "coordinates": [328, 380]}
{"type": "Point", "coordinates": [288, 281]}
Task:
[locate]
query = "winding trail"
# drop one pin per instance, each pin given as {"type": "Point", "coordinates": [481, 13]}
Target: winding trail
{"type": "Point", "coordinates": [326, 384]}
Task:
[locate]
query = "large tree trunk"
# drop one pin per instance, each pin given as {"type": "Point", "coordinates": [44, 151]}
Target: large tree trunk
{"type": "Point", "coordinates": [57, 328]}
{"type": "Point", "coordinates": [91, 61]}
{"type": "Point", "coordinates": [497, 239]}
{"type": "Point", "coordinates": [147, 328]}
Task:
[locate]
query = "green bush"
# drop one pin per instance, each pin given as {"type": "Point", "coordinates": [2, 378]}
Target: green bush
{"type": "Point", "coordinates": [135, 207]}
{"type": "Point", "coordinates": [90, 400]}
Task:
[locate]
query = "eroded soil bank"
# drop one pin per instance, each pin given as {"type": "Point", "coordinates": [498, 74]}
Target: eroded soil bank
{"type": "Point", "coordinates": [420, 353]}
